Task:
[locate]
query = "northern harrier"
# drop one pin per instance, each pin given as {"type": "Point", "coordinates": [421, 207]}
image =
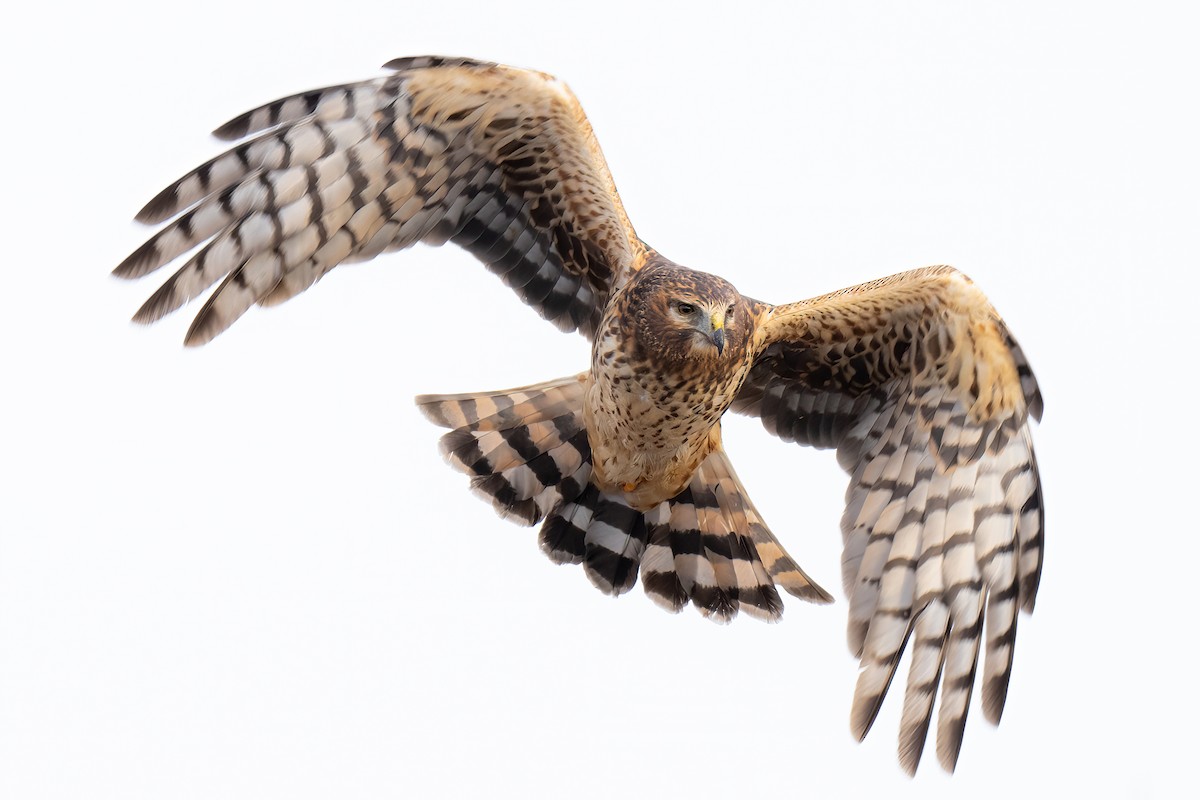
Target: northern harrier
{"type": "Point", "coordinates": [914, 379]}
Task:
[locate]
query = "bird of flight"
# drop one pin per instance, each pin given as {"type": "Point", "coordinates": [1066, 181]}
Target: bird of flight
{"type": "Point", "coordinates": [914, 379]}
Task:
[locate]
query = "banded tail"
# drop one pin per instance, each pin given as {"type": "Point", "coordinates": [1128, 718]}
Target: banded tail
{"type": "Point", "coordinates": [527, 453]}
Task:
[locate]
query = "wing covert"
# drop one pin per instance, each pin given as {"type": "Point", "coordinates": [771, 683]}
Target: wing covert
{"type": "Point", "coordinates": [926, 395]}
{"type": "Point", "coordinates": [498, 160]}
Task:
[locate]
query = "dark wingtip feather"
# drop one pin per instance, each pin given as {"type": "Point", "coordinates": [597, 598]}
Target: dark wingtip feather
{"type": "Point", "coordinates": [1030, 582]}
{"type": "Point", "coordinates": [157, 306]}
{"type": "Point", "coordinates": [426, 62]}
{"type": "Point", "coordinates": [1029, 587]}
{"type": "Point", "coordinates": [278, 112]}
{"type": "Point", "coordinates": [235, 128]}
{"type": "Point", "coordinates": [865, 710]}
{"type": "Point", "coordinates": [161, 208]}
{"type": "Point", "coordinates": [995, 687]}
{"type": "Point", "coordinates": [862, 721]}
{"type": "Point", "coordinates": [140, 262]}
{"type": "Point", "coordinates": [995, 693]}
{"type": "Point", "coordinates": [204, 328]}
{"type": "Point", "coordinates": [949, 750]}
{"type": "Point", "coordinates": [912, 746]}
{"type": "Point", "coordinates": [950, 737]}
{"type": "Point", "coordinates": [1035, 405]}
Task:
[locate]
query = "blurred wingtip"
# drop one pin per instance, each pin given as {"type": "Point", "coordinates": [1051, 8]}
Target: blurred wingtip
{"type": "Point", "coordinates": [141, 261]}
{"type": "Point", "coordinates": [912, 745]}
{"type": "Point", "coordinates": [233, 129]}
{"type": "Point", "coordinates": [161, 208]}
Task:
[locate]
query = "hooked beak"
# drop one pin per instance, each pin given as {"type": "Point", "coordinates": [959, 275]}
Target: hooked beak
{"type": "Point", "coordinates": [718, 332]}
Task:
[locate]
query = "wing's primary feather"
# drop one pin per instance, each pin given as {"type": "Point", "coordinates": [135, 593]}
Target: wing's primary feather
{"type": "Point", "coordinates": [925, 394]}
{"type": "Point", "coordinates": [500, 161]}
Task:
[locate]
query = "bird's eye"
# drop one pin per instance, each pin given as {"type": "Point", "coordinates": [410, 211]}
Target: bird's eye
{"type": "Point", "coordinates": [686, 309]}
{"type": "Point", "coordinates": [729, 311]}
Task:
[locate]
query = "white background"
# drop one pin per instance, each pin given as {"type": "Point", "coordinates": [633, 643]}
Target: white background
{"type": "Point", "coordinates": [244, 572]}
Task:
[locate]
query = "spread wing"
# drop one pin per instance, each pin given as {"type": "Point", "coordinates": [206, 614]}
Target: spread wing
{"type": "Point", "coordinates": [925, 394]}
{"type": "Point", "coordinates": [501, 161]}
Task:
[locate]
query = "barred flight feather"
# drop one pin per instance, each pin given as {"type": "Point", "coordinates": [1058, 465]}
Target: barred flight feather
{"type": "Point", "coordinates": [926, 395]}
{"type": "Point", "coordinates": [489, 157]}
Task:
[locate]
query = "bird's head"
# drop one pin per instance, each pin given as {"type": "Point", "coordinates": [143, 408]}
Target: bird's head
{"type": "Point", "coordinates": [683, 315]}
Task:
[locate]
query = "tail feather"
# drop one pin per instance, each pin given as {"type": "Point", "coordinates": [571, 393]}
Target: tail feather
{"type": "Point", "coordinates": [781, 567]}
{"type": "Point", "coordinates": [506, 409]}
{"type": "Point", "coordinates": [563, 532]}
{"type": "Point", "coordinates": [523, 481]}
{"type": "Point", "coordinates": [527, 452]}
{"type": "Point", "coordinates": [613, 545]}
{"type": "Point", "coordinates": [523, 448]}
{"type": "Point", "coordinates": [723, 558]}
{"type": "Point", "coordinates": [757, 595]}
{"type": "Point", "coordinates": [659, 576]}
{"type": "Point", "coordinates": [485, 452]}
